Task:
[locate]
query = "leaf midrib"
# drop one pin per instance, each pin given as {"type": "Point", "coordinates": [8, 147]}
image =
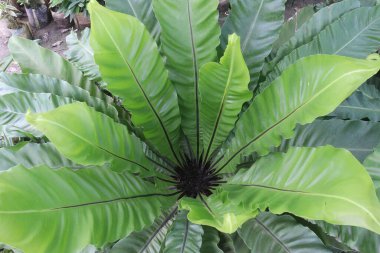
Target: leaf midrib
{"type": "Point", "coordinates": [222, 104]}
{"type": "Point", "coordinates": [252, 27]}
{"type": "Point", "coordinates": [90, 143]}
{"type": "Point", "coordinates": [273, 235]}
{"type": "Point", "coordinates": [100, 202]}
{"type": "Point", "coordinates": [314, 194]}
{"type": "Point", "coordinates": [196, 81]}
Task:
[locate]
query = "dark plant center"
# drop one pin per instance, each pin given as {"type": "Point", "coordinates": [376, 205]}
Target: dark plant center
{"type": "Point", "coordinates": [196, 177]}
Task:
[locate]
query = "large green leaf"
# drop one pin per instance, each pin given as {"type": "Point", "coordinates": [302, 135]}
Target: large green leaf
{"type": "Point", "coordinates": [90, 138]}
{"type": "Point", "coordinates": [184, 237]}
{"type": "Point", "coordinates": [149, 240]}
{"type": "Point", "coordinates": [280, 234]}
{"type": "Point", "coordinates": [291, 26]}
{"type": "Point", "coordinates": [34, 58]}
{"type": "Point", "coordinates": [32, 154]}
{"type": "Point", "coordinates": [338, 133]}
{"type": "Point", "coordinates": [130, 63]}
{"type": "Point", "coordinates": [210, 240]}
{"type": "Point", "coordinates": [358, 238]}
{"type": "Point", "coordinates": [223, 90]}
{"type": "Point", "coordinates": [142, 10]}
{"type": "Point", "coordinates": [61, 211]}
{"type": "Point", "coordinates": [358, 106]}
{"type": "Point", "coordinates": [322, 183]}
{"type": "Point", "coordinates": [80, 53]}
{"type": "Point", "coordinates": [359, 41]}
{"type": "Point", "coordinates": [258, 23]}
{"type": "Point", "coordinates": [14, 106]}
{"type": "Point", "coordinates": [310, 88]}
{"type": "Point", "coordinates": [189, 37]}
{"type": "Point", "coordinates": [36, 83]}
{"type": "Point", "coordinates": [314, 26]}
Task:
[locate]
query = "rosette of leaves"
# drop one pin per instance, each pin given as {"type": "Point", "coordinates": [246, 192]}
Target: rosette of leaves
{"type": "Point", "coordinates": [207, 143]}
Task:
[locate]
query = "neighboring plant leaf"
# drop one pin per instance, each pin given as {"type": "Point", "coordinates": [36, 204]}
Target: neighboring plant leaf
{"type": "Point", "coordinates": [210, 240]}
{"type": "Point", "coordinates": [149, 240]}
{"type": "Point", "coordinates": [371, 89]}
{"type": "Point", "coordinates": [36, 83]}
{"type": "Point", "coordinates": [131, 65]}
{"type": "Point", "coordinates": [5, 62]}
{"type": "Point", "coordinates": [338, 133]}
{"type": "Point", "coordinates": [90, 138]}
{"type": "Point", "coordinates": [142, 10]}
{"type": "Point", "coordinates": [184, 237]}
{"type": "Point", "coordinates": [32, 155]}
{"type": "Point", "coordinates": [223, 90]}
{"type": "Point", "coordinates": [216, 212]}
{"type": "Point", "coordinates": [358, 41]}
{"type": "Point", "coordinates": [312, 87]}
{"type": "Point", "coordinates": [322, 183]}
{"type": "Point", "coordinates": [226, 243]}
{"type": "Point", "coordinates": [239, 244]}
{"type": "Point", "coordinates": [291, 26]}
{"type": "Point", "coordinates": [33, 59]}
{"type": "Point", "coordinates": [258, 24]}
{"type": "Point", "coordinates": [314, 26]}
{"type": "Point", "coordinates": [187, 46]}
{"type": "Point", "coordinates": [280, 234]}
{"type": "Point", "coordinates": [372, 164]}
{"type": "Point", "coordinates": [88, 206]}
{"type": "Point", "coordinates": [358, 106]}
{"type": "Point", "coordinates": [80, 53]}
{"type": "Point", "coordinates": [14, 106]}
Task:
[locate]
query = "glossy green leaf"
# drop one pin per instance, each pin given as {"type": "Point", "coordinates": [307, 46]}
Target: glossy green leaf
{"type": "Point", "coordinates": [36, 83]}
{"type": "Point", "coordinates": [223, 88]}
{"type": "Point", "coordinates": [130, 63]}
{"type": "Point", "coordinates": [280, 234]}
{"type": "Point", "coordinates": [33, 58]}
{"type": "Point", "coordinates": [314, 26]}
{"type": "Point", "coordinates": [358, 106]}
{"type": "Point", "coordinates": [291, 26]}
{"type": "Point", "coordinates": [258, 24]}
{"type": "Point", "coordinates": [80, 53]}
{"type": "Point", "coordinates": [219, 213]}
{"type": "Point", "coordinates": [32, 155]}
{"type": "Point", "coordinates": [45, 210]}
{"type": "Point", "coordinates": [189, 36]}
{"type": "Point", "coordinates": [210, 240]}
{"type": "Point", "coordinates": [90, 138]}
{"type": "Point", "coordinates": [338, 133]}
{"type": "Point", "coordinates": [184, 237]}
{"type": "Point", "coordinates": [358, 41]}
{"type": "Point", "coordinates": [322, 183]}
{"type": "Point", "coordinates": [14, 106]}
{"type": "Point", "coordinates": [142, 10]}
{"type": "Point", "coordinates": [310, 88]}
{"type": "Point", "coordinates": [149, 240]}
